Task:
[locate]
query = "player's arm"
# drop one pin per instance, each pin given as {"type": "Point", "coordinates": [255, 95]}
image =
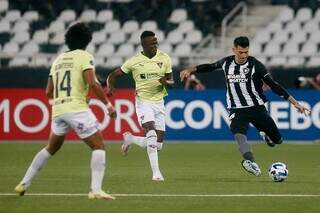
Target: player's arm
{"type": "Point", "coordinates": [279, 90]}
{"type": "Point", "coordinates": [111, 80]}
{"type": "Point", "coordinates": [49, 89]}
{"type": "Point", "coordinates": [167, 80]}
{"type": "Point", "coordinates": [96, 88]}
{"type": "Point", "coordinates": [184, 74]}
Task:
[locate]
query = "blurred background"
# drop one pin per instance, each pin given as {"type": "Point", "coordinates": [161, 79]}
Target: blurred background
{"type": "Point", "coordinates": [284, 35]}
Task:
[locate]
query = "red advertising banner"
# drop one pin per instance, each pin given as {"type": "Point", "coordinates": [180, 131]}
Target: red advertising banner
{"type": "Point", "coordinates": [25, 114]}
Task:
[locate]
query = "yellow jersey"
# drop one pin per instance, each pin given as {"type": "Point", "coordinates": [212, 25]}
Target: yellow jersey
{"type": "Point", "coordinates": [146, 73]}
{"type": "Point", "coordinates": [70, 86]}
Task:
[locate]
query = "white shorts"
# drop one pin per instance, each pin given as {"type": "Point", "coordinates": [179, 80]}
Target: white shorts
{"type": "Point", "coordinates": [84, 124]}
{"type": "Point", "coordinates": [147, 111]}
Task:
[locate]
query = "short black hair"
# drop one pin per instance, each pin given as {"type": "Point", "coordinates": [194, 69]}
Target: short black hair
{"type": "Point", "coordinates": [78, 36]}
{"type": "Point", "coordinates": [146, 33]}
{"type": "Point", "coordinates": [241, 41]}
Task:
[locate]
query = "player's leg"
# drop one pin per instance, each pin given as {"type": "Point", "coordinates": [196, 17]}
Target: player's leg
{"type": "Point", "coordinates": [239, 127]}
{"type": "Point", "coordinates": [56, 139]}
{"type": "Point", "coordinates": [267, 127]}
{"type": "Point", "coordinates": [86, 126]}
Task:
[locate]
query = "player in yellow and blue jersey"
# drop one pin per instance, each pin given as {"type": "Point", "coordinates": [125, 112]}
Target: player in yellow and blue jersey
{"type": "Point", "coordinates": [71, 76]}
{"type": "Point", "coordinates": [152, 72]}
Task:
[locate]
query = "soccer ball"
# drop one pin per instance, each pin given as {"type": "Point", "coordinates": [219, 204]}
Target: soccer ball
{"type": "Point", "coordinates": [278, 172]}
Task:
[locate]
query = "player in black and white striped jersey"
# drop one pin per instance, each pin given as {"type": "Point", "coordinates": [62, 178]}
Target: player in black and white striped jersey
{"type": "Point", "coordinates": [245, 76]}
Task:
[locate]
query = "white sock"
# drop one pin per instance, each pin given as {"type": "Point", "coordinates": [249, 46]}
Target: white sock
{"type": "Point", "coordinates": [38, 162]}
{"type": "Point", "coordinates": [98, 161]}
{"type": "Point", "coordinates": [140, 141]}
{"type": "Point", "coordinates": [151, 139]}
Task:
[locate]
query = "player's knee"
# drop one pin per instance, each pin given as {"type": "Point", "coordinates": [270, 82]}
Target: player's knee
{"type": "Point", "coordinates": [151, 137]}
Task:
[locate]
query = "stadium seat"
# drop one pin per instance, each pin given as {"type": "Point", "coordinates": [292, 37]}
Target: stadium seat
{"type": "Point", "coordinates": [135, 38]}
{"type": "Point", "coordinates": [10, 49]}
{"type": "Point", "coordinates": [166, 47]}
{"type": "Point", "coordinates": [311, 26]}
{"type": "Point", "coordinates": [316, 16]}
{"type": "Point", "coordinates": [290, 49]}
{"type": "Point", "coordinates": [130, 26]}
{"type": "Point", "coordinates": [272, 49]}
{"type": "Point", "coordinates": [41, 36]}
{"type": "Point", "coordinates": [277, 61]}
{"type": "Point", "coordinates": [58, 38]}
{"type": "Point", "coordinates": [40, 61]}
{"type": "Point", "coordinates": [19, 62]}
{"type": "Point", "coordinates": [285, 15]}
{"type": "Point", "coordinates": [99, 62]}
{"type": "Point", "coordinates": [262, 59]}
{"type": "Point", "coordinates": [182, 50]}
{"type": "Point", "coordinates": [113, 62]}
{"type": "Point", "coordinates": [29, 49]}
{"type": "Point", "coordinates": [4, 26]}
{"type": "Point", "coordinates": [293, 26]}
{"type": "Point", "coordinates": [304, 14]}
{"type": "Point", "coordinates": [13, 15]}
{"type": "Point", "coordinates": [21, 37]}
{"type": "Point", "coordinates": [20, 26]}
{"type": "Point", "coordinates": [294, 62]}
{"type": "Point", "coordinates": [105, 50]}
{"type": "Point", "coordinates": [91, 48]}
{"type": "Point", "coordinates": [255, 48]}
{"type": "Point", "coordinates": [299, 37]}
{"type": "Point", "coordinates": [263, 36]}
{"type": "Point", "coordinates": [309, 49]}
{"type": "Point", "coordinates": [112, 26]}
{"type": "Point", "coordinates": [125, 50]}
{"type": "Point", "coordinates": [104, 16]}
{"type": "Point", "coordinates": [117, 37]}
{"type": "Point", "coordinates": [274, 26]}
{"type": "Point", "coordinates": [178, 15]}
{"type": "Point", "coordinates": [186, 26]}
{"type": "Point", "coordinates": [174, 61]}
{"type": "Point", "coordinates": [149, 25]}
{"type": "Point", "coordinates": [99, 37]}
{"type": "Point", "coordinates": [160, 35]}
{"type": "Point", "coordinates": [174, 37]}
{"type": "Point", "coordinates": [56, 26]}
{"type": "Point", "coordinates": [88, 16]}
{"type": "Point", "coordinates": [4, 6]}
{"type": "Point", "coordinates": [30, 16]}
{"type": "Point", "coordinates": [67, 16]}
{"type": "Point", "coordinates": [315, 37]}
{"type": "Point", "coordinates": [313, 61]}
{"type": "Point", "coordinates": [280, 37]}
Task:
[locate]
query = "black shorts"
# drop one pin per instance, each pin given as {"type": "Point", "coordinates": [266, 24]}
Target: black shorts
{"type": "Point", "coordinates": [258, 117]}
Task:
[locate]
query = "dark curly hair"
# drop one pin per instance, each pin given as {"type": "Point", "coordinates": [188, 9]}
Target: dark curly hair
{"type": "Point", "coordinates": [78, 36]}
{"type": "Point", "coordinates": [241, 41]}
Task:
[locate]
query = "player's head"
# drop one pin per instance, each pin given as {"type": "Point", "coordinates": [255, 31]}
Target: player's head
{"type": "Point", "coordinates": [241, 49]}
{"type": "Point", "coordinates": [78, 36]}
{"type": "Point", "coordinates": [149, 43]}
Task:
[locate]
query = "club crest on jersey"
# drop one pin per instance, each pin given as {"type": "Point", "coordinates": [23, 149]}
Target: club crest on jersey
{"type": "Point", "coordinates": [160, 64]}
{"type": "Point", "coordinates": [245, 70]}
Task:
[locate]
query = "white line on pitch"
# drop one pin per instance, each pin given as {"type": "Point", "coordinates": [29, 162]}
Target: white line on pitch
{"type": "Point", "coordinates": [170, 195]}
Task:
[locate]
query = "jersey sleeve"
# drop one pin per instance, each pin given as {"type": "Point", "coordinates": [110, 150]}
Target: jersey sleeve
{"type": "Point", "coordinates": [210, 67]}
{"type": "Point", "coordinates": [261, 69]}
{"type": "Point", "coordinates": [87, 61]}
{"type": "Point", "coordinates": [168, 65]}
{"type": "Point", "coordinates": [126, 67]}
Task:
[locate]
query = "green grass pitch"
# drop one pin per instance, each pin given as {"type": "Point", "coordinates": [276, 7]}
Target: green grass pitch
{"type": "Point", "coordinates": [199, 177]}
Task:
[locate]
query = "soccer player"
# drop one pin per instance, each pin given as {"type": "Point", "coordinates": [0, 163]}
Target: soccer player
{"type": "Point", "coordinates": [71, 76]}
{"type": "Point", "coordinates": [245, 99]}
{"type": "Point", "coordinates": [151, 70]}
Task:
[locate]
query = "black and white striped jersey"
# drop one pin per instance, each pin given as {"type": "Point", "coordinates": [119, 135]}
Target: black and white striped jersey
{"type": "Point", "coordinates": [244, 81]}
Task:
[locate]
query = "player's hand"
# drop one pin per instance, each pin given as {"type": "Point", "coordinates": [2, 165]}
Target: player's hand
{"type": "Point", "coordinates": [302, 109]}
{"type": "Point", "coordinates": [184, 74]}
{"type": "Point", "coordinates": [111, 111]}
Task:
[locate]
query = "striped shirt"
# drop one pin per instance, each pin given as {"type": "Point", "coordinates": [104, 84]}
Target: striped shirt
{"type": "Point", "coordinates": [244, 81]}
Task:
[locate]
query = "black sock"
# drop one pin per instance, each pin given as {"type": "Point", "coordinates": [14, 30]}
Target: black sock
{"type": "Point", "coordinates": [248, 156]}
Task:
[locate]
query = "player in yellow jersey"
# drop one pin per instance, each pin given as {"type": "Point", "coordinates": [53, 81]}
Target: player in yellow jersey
{"type": "Point", "coordinates": [71, 76]}
{"type": "Point", "coordinates": [152, 72]}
